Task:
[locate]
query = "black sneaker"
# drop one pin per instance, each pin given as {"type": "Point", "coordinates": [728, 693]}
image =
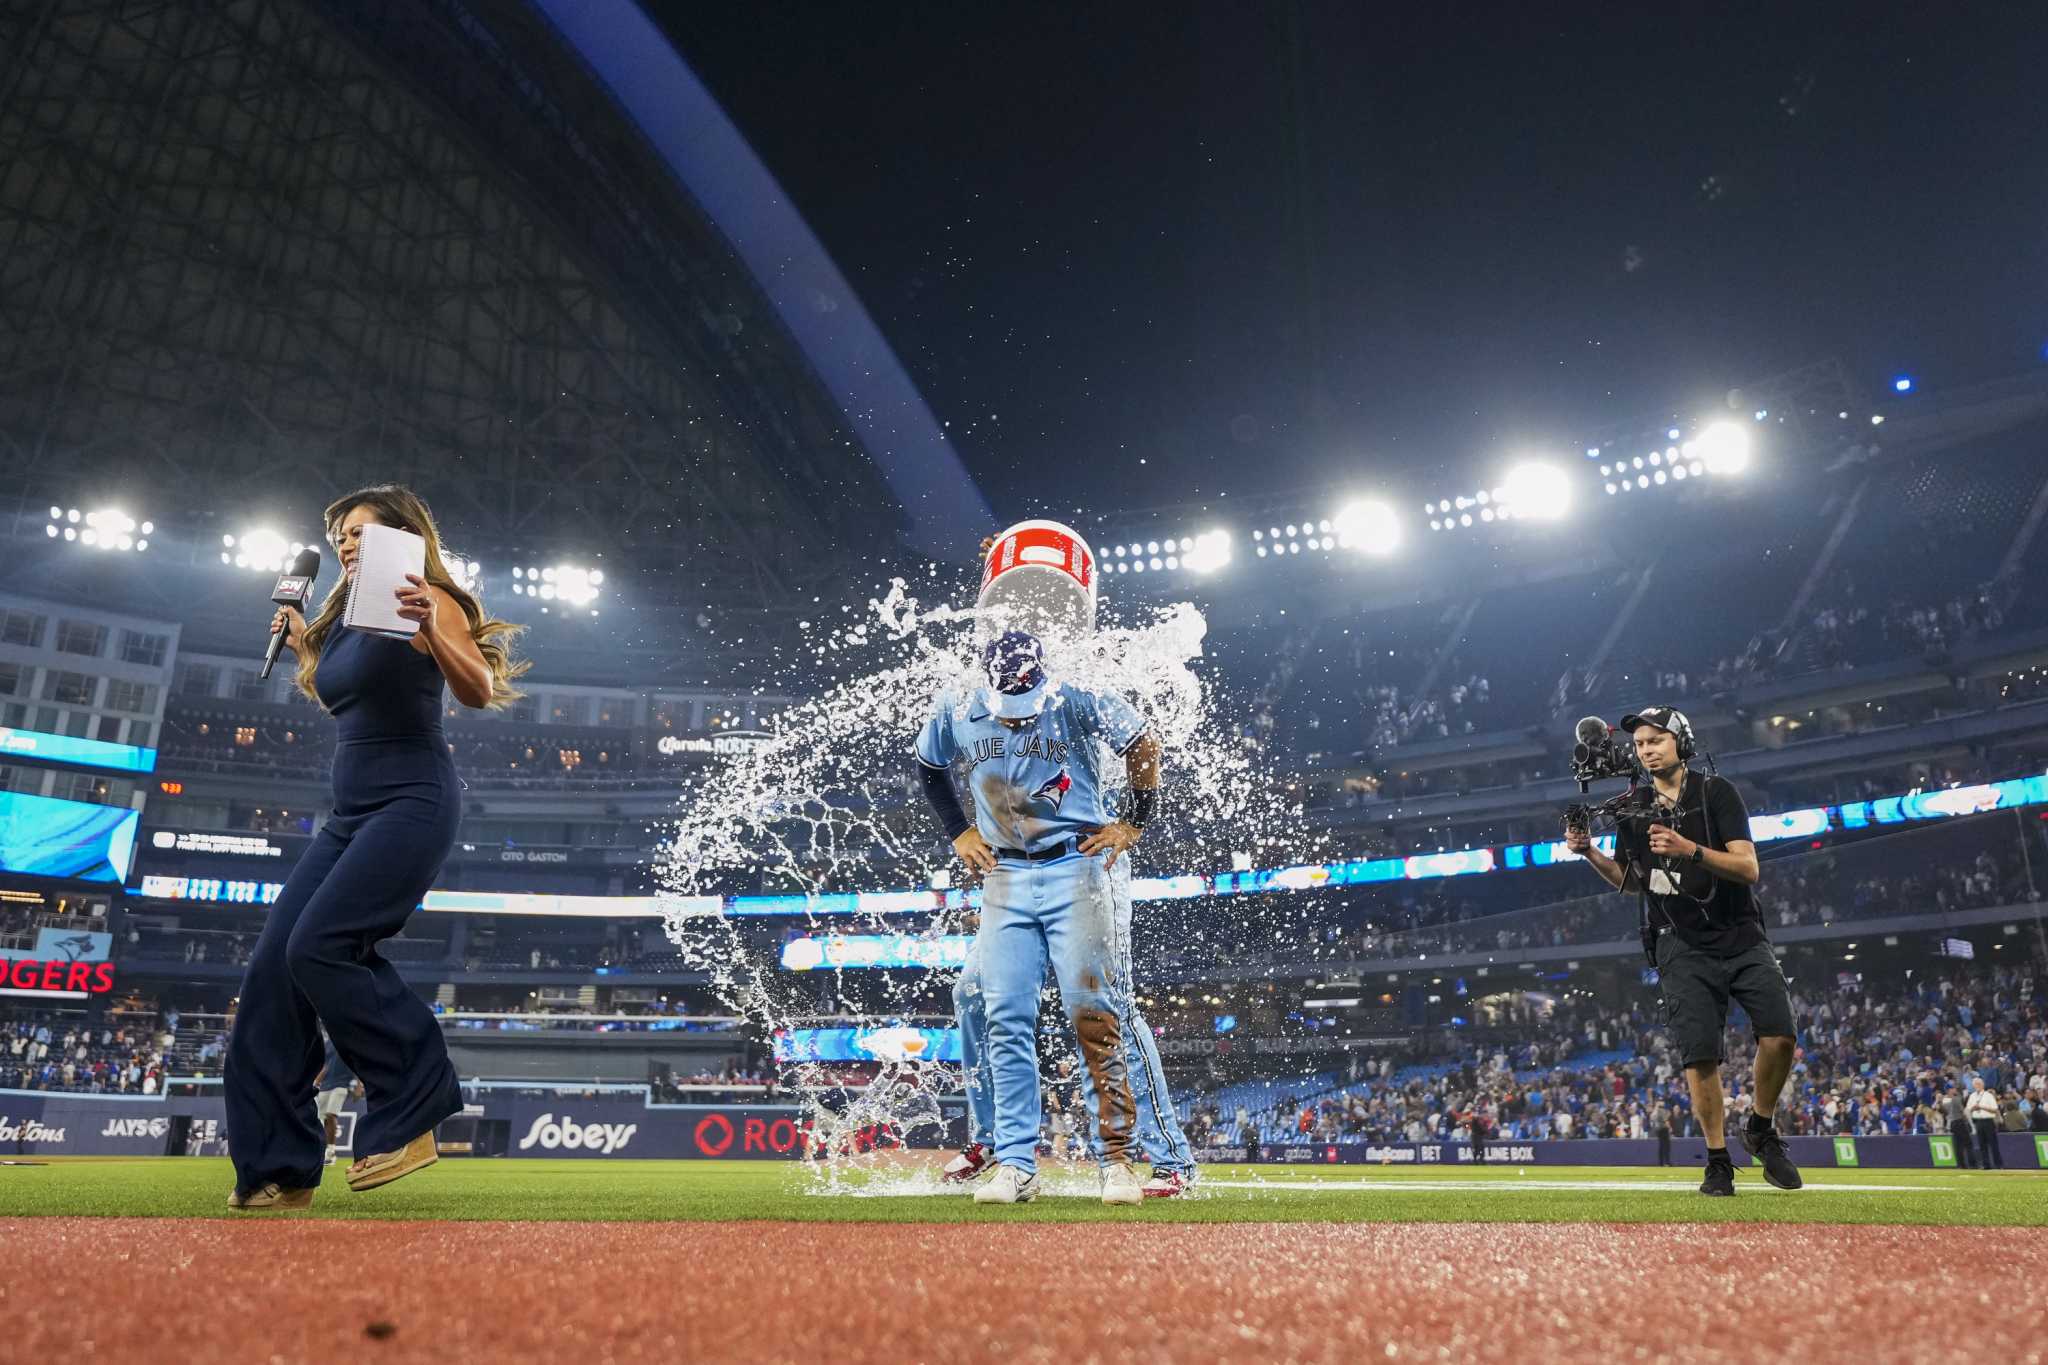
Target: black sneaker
{"type": "Point", "coordinates": [1767, 1149]}
{"type": "Point", "coordinates": [1720, 1177]}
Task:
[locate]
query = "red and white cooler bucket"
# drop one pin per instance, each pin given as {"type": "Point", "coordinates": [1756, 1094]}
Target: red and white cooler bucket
{"type": "Point", "coordinates": [1039, 576]}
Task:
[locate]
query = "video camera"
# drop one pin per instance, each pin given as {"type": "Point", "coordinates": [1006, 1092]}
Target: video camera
{"type": "Point", "coordinates": [1596, 756]}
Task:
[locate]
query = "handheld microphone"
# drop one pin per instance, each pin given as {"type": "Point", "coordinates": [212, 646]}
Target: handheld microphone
{"type": "Point", "coordinates": [295, 589]}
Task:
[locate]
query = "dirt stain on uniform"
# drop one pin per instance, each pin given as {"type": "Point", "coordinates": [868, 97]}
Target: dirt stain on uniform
{"type": "Point", "coordinates": [1116, 1108]}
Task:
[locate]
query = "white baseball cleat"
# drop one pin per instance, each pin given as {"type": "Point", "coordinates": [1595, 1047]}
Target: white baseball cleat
{"type": "Point", "coordinates": [1169, 1182]}
{"type": "Point", "coordinates": [967, 1163]}
{"type": "Point", "coordinates": [1009, 1185]}
{"type": "Point", "coordinates": [1121, 1184]}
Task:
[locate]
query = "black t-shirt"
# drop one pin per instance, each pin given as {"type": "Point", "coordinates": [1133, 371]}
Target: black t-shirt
{"type": "Point", "coordinates": [1708, 912]}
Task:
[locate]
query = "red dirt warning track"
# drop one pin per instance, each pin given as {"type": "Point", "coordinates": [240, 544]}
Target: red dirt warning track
{"type": "Point", "coordinates": [203, 1290]}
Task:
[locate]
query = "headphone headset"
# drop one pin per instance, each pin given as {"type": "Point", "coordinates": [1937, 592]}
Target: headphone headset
{"type": "Point", "coordinates": [1669, 719]}
{"type": "Point", "coordinates": [1681, 730]}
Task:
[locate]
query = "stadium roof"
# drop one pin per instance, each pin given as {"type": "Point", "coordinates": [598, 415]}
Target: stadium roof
{"type": "Point", "coordinates": [254, 255]}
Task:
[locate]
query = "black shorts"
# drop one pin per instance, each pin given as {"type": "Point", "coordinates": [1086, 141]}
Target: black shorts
{"type": "Point", "coordinates": [1697, 985]}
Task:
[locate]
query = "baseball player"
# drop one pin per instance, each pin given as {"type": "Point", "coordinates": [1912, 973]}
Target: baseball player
{"type": "Point", "coordinates": [331, 1094]}
{"type": "Point", "coordinates": [1055, 887]}
{"type": "Point", "coordinates": [1159, 1130]}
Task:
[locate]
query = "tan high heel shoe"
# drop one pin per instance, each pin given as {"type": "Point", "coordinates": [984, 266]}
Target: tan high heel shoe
{"type": "Point", "coordinates": [271, 1196]}
{"type": "Point", "coordinates": [385, 1167]}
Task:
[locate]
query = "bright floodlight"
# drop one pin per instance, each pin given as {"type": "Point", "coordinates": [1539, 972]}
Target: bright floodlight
{"type": "Point", "coordinates": [1724, 447]}
{"type": "Point", "coordinates": [1210, 552]}
{"type": "Point", "coordinates": [1368, 525]}
{"type": "Point", "coordinates": [1537, 490]}
{"type": "Point", "coordinates": [1903, 384]}
{"type": "Point", "coordinates": [106, 529]}
{"type": "Point", "coordinates": [263, 551]}
{"type": "Point", "coordinates": [572, 583]}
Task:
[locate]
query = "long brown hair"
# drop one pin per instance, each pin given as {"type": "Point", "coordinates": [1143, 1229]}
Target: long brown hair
{"type": "Point", "coordinates": [400, 507]}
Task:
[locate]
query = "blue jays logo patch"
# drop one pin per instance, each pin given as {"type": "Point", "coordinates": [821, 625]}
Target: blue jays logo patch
{"type": "Point", "coordinates": [1054, 789]}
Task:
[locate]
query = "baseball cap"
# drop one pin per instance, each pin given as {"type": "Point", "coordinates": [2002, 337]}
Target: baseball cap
{"type": "Point", "coordinates": [1014, 663]}
{"type": "Point", "coordinates": [1663, 717]}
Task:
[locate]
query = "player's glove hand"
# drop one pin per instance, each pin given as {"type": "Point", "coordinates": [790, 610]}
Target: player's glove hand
{"type": "Point", "coordinates": [1113, 838]}
{"type": "Point", "coordinates": [975, 852]}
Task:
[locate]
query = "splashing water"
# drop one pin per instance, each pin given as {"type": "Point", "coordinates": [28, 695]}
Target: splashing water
{"type": "Point", "coordinates": [830, 804]}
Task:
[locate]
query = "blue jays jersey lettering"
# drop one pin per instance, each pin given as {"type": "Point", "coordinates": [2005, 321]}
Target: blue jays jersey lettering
{"type": "Point", "coordinates": [1040, 783]}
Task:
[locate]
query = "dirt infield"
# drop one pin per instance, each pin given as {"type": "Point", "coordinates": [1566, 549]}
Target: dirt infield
{"type": "Point", "coordinates": [164, 1289]}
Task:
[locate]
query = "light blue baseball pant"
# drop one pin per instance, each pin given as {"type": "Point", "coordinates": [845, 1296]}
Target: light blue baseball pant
{"type": "Point", "coordinates": [1159, 1130]}
{"type": "Point", "coordinates": [1076, 913]}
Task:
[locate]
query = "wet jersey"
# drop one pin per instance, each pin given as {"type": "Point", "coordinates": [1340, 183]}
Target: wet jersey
{"type": "Point", "coordinates": [1039, 784]}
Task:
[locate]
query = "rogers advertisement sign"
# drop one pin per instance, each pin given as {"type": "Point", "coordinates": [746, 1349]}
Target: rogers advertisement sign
{"type": "Point", "coordinates": [57, 978]}
{"type": "Point", "coordinates": [753, 1135]}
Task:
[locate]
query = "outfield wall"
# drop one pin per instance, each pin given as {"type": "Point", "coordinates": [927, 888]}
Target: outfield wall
{"type": "Point", "coordinates": [2020, 1151]}
{"type": "Point", "coordinates": [43, 1123]}
{"type": "Point", "coordinates": [48, 1123]}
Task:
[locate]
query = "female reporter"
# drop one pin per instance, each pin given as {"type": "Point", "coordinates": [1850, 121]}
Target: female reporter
{"type": "Point", "coordinates": [397, 802]}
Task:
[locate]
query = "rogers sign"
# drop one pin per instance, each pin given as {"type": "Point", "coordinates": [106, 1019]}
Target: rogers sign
{"type": "Point", "coordinates": [715, 1135]}
{"type": "Point", "coordinates": [87, 978]}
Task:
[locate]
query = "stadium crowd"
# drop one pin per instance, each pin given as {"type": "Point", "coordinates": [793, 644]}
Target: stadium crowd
{"type": "Point", "coordinates": [49, 1050]}
{"type": "Point", "coordinates": [1892, 1055]}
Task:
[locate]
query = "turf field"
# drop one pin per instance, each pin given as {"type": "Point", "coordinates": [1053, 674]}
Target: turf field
{"type": "Point", "coordinates": [640, 1191]}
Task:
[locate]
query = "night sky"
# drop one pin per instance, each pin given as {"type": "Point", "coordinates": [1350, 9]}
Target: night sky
{"type": "Point", "coordinates": [1163, 255]}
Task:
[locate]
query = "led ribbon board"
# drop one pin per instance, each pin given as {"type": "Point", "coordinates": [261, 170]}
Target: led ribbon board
{"type": "Point", "coordinates": [838, 952]}
{"type": "Point", "coordinates": [888, 1043]}
{"type": "Point", "coordinates": [84, 753]}
{"type": "Point", "coordinates": [1805, 823]}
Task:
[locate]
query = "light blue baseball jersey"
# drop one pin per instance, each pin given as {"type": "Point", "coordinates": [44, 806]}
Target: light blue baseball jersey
{"type": "Point", "coordinates": [1039, 784]}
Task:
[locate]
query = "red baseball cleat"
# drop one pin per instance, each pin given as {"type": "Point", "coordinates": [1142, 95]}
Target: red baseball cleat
{"type": "Point", "coordinates": [1168, 1182]}
{"type": "Point", "coordinates": [967, 1163]}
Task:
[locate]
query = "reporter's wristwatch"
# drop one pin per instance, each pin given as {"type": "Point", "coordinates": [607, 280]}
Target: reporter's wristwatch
{"type": "Point", "coordinates": [1699, 853]}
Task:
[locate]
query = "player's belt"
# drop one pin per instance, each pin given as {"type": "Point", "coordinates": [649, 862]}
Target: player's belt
{"type": "Point", "coordinates": [1058, 850]}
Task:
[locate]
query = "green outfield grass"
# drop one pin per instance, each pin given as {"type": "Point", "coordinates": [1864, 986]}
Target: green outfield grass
{"type": "Point", "coordinates": [492, 1190]}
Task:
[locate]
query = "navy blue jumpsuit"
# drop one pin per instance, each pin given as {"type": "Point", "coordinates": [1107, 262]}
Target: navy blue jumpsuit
{"type": "Point", "coordinates": [397, 802]}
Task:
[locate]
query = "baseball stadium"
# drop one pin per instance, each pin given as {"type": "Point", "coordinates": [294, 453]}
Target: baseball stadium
{"type": "Point", "coordinates": [1060, 687]}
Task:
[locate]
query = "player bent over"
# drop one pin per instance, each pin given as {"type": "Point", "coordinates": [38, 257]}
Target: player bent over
{"type": "Point", "coordinates": [1040, 823]}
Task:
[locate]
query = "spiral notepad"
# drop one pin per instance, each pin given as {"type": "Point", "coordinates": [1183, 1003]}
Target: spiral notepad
{"type": "Point", "coordinates": [384, 556]}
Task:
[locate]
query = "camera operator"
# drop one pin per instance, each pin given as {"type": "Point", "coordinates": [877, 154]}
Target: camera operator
{"type": "Point", "coordinates": [1694, 866]}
